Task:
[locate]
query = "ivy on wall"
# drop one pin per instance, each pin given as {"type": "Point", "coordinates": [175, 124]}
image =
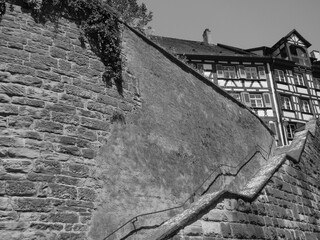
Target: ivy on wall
{"type": "Point", "coordinates": [98, 23]}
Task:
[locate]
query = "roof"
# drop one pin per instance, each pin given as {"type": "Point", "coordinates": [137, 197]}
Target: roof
{"type": "Point", "coordinates": [285, 38]}
{"type": "Point", "coordinates": [189, 47]}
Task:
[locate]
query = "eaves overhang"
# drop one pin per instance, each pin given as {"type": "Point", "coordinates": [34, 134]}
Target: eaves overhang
{"type": "Point", "coordinates": [228, 58]}
{"type": "Point", "coordinates": [282, 62]}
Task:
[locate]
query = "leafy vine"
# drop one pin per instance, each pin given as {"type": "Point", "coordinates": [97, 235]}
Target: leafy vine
{"type": "Point", "coordinates": [97, 22]}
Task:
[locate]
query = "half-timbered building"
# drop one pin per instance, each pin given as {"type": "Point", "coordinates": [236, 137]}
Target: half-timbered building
{"type": "Point", "coordinates": [281, 84]}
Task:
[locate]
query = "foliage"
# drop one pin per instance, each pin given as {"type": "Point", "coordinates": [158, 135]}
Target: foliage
{"type": "Point", "coordinates": [131, 12]}
{"type": "Point", "coordinates": [98, 22]}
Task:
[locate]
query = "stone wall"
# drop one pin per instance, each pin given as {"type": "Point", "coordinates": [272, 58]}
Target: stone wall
{"type": "Point", "coordinates": [78, 159]}
{"type": "Point", "coordinates": [55, 114]}
{"type": "Point", "coordinates": [287, 207]}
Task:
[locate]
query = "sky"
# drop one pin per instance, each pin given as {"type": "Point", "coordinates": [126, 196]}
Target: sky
{"type": "Point", "coordinates": [239, 23]}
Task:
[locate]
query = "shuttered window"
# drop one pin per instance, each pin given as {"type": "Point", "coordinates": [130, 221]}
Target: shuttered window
{"type": "Point", "coordinates": [267, 99]}
{"type": "Point", "coordinates": [246, 99]}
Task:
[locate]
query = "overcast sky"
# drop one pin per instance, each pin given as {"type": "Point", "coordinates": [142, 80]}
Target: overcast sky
{"type": "Point", "coordinates": [240, 23]}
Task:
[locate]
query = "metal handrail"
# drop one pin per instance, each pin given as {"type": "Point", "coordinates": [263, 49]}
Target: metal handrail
{"type": "Point", "coordinates": [246, 160]}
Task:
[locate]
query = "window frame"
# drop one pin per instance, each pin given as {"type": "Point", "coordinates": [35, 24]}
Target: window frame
{"type": "Point", "coordinates": [229, 72]}
{"type": "Point", "coordinates": [290, 129]}
{"type": "Point", "coordinates": [305, 105]}
{"type": "Point", "coordinates": [250, 71]}
{"type": "Point", "coordinates": [262, 72]}
{"type": "Point", "coordinates": [256, 100]}
{"type": "Point", "coordinates": [316, 82]}
{"type": "Point", "coordinates": [278, 77]}
{"type": "Point", "coordinates": [298, 79]}
{"type": "Point", "coordinates": [284, 104]}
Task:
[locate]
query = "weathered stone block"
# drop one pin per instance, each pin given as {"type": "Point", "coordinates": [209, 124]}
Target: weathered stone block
{"type": "Point", "coordinates": [32, 135]}
{"type": "Point", "coordinates": [61, 217]}
{"type": "Point", "coordinates": [65, 45]}
{"type": "Point", "coordinates": [65, 118]}
{"type": "Point", "coordinates": [12, 89]}
{"type": "Point", "coordinates": [46, 226]}
{"type": "Point", "coordinates": [48, 76]}
{"type": "Point", "coordinates": [47, 166]}
{"type": "Point", "coordinates": [34, 112]}
{"type": "Point", "coordinates": [95, 124]}
{"type": "Point", "coordinates": [79, 59]}
{"type": "Point", "coordinates": [14, 53]}
{"type": "Point", "coordinates": [17, 166]}
{"type": "Point", "coordinates": [20, 69]}
{"type": "Point", "coordinates": [100, 107]}
{"type": "Point", "coordinates": [89, 86]}
{"type": "Point", "coordinates": [20, 122]}
{"type": "Point", "coordinates": [4, 98]}
{"type": "Point", "coordinates": [42, 94]}
{"type": "Point", "coordinates": [41, 177]}
{"type": "Point", "coordinates": [81, 132]}
{"type": "Point", "coordinates": [73, 100]}
{"type": "Point", "coordinates": [67, 180]}
{"type": "Point", "coordinates": [72, 150]}
{"type": "Point", "coordinates": [47, 126]}
{"type": "Point", "coordinates": [71, 236]}
{"type": "Point", "coordinates": [8, 109]}
{"type": "Point", "coordinates": [23, 188]}
{"type": "Point", "coordinates": [77, 91]}
{"type": "Point", "coordinates": [23, 153]}
{"type": "Point", "coordinates": [32, 204]}
{"type": "Point", "coordinates": [11, 141]}
{"type": "Point", "coordinates": [63, 191]}
{"type": "Point", "coordinates": [58, 53]}
{"type": "Point", "coordinates": [38, 48]}
{"type": "Point", "coordinates": [64, 65]}
{"type": "Point", "coordinates": [107, 100]}
{"type": "Point", "coordinates": [2, 187]}
{"type": "Point", "coordinates": [28, 101]}
{"type": "Point", "coordinates": [62, 108]}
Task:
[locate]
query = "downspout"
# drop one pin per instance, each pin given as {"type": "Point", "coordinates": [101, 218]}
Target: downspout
{"type": "Point", "coordinates": [275, 104]}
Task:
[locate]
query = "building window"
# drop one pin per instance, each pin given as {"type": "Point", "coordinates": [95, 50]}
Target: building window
{"type": "Point", "coordinates": [219, 71]}
{"type": "Point", "coordinates": [256, 100]}
{"type": "Point", "coordinates": [291, 127]}
{"type": "Point", "coordinates": [262, 72]}
{"type": "Point", "coordinates": [298, 79]}
{"type": "Point", "coordinates": [279, 76]}
{"type": "Point", "coordinates": [299, 55]}
{"type": "Point", "coordinates": [305, 106]}
{"type": "Point", "coordinates": [229, 72]}
{"type": "Point", "coordinates": [267, 100]}
{"type": "Point", "coordinates": [236, 96]}
{"type": "Point", "coordinates": [251, 72]}
{"type": "Point", "coordinates": [286, 103]}
{"type": "Point", "coordinates": [241, 71]}
{"type": "Point", "coordinates": [316, 83]}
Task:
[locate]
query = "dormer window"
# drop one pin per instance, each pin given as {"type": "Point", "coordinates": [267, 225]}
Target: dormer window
{"type": "Point", "coordinates": [299, 55]}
